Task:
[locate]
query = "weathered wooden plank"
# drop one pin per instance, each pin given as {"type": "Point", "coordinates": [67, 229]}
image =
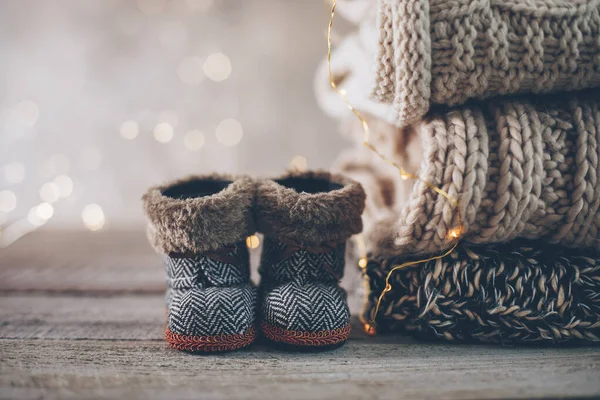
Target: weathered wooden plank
{"type": "Point", "coordinates": [121, 317]}
{"type": "Point", "coordinates": [91, 263]}
{"type": "Point", "coordinates": [73, 317]}
{"type": "Point", "coordinates": [360, 369]}
{"type": "Point", "coordinates": [81, 262]}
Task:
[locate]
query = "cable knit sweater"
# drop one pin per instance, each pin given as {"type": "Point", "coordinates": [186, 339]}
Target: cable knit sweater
{"type": "Point", "coordinates": [449, 51]}
{"type": "Point", "coordinates": [520, 167]}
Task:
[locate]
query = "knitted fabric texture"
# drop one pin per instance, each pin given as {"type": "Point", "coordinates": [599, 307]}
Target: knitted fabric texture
{"type": "Point", "coordinates": [520, 292]}
{"type": "Point", "coordinates": [446, 52]}
{"type": "Point", "coordinates": [201, 224]}
{"type": "Point", "coordinates": [306, 219]}
{"type": "Point", "coordinates": [199, 213]}
{"type": "Point", "coordinates": [302, 302]}
{"type": "Point", "coordinates": [519, 167]}
{"type": "Point", "coordinates": [207, 297]}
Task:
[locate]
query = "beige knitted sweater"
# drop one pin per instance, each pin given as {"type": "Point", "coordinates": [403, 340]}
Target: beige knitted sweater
{"type": "Point", "coordinates": [449, 51]}
{"type": "Point", "coordinates": [520, 167]}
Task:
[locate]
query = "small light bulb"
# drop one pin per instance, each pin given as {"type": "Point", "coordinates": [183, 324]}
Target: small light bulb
{"type": "Point", "coordinates": [455, 233]}
{"type": "Point", "coordinates": [370, 329]}
{"type": "Point", "coordinates": [252, 242]}
{"type": "Point", "coordinates": [362, 263]}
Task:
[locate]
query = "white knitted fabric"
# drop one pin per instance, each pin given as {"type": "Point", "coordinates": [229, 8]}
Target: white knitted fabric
{"type": "Point", "coordinates": [351, 66]}
{"type": "Point", "coordinates": [519, 167]}
{"type": "Point", "coordinates": [449, 51]}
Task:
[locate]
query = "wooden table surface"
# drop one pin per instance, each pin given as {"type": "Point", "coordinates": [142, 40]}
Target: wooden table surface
{"type": "Point", "coordinates": [82, 316]}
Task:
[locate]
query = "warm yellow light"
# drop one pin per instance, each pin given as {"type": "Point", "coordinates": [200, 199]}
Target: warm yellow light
{"type": "Point", "coordinates": [194, 140]}
{"type": "Point", "coordinates": [252, 242]}
{"type": "Point", "coordinates": [34, 218]}
{"type": "Point", "coordinates": [217, 67]}
{"type": "Point", "coordinates": [93, 217]}
{"type": "Point", "coordinates": [299, 163]}
{"type": "Point", "coordinates": [129, 130]}
{"type": "Point", "coordinates": [163, 132]}
{"type": "Point", "coordinates": [455, 233]}
{"type": "Point", "coordinates": [370, 329]}
{"type": "Point", "coordinates": [44, 211]}
{"type": "Point", "coordinates": [229, 132]}
{"type": "Point", "coordinates": [362, 263]}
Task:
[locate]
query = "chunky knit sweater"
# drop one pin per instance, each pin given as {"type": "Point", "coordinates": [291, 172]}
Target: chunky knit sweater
{"type": "Point", "coordinates": [449, 51]}
{"type": "Point", "coordinates": [524, 166]}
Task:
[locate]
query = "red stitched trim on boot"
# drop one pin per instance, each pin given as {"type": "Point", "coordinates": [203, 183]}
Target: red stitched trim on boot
{"type": "Point", "coordinates": [210, 343]}
{"type": "Point", "coordinates": [304, 338]}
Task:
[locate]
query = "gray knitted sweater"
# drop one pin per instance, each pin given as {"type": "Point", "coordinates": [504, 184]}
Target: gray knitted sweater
{"type": "Point", "coordinates": [524, 166]}
{"type": "Point", "coordinates": [449, 51]}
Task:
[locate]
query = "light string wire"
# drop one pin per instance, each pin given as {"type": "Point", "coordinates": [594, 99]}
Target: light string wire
{"type": "Point", "coordinates": [453, 234]}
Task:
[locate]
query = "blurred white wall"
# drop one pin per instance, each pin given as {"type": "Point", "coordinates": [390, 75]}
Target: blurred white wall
{"type": "Point", "coordinates": [116, 95]}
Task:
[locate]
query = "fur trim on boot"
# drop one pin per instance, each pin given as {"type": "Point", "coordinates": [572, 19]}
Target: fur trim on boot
{"type": "Point", "coordinates": [306, 219]}
{"type": "Point", "coordinates": [201, 224]}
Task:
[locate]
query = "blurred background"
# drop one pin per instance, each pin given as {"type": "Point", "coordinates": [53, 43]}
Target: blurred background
{"type": "Point", "coordinates": [101, 99]}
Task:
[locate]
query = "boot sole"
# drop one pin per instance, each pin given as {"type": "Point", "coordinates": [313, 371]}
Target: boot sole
{"type": "Point", "coordinates": [210, 344]}
{"type": "Point", "coordinates": [306, 340]}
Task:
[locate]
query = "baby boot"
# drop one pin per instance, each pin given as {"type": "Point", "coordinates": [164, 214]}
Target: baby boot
{"type": "Point", "coordinates": [200, 224]}
{"type": "Point", "coordinates": [306, 219]}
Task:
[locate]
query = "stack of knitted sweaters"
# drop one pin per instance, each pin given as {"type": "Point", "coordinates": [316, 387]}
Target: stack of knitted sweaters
{"type": "Point", "coordinates": [497, 102]}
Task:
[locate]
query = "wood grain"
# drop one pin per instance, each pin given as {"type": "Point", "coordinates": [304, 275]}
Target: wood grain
{"type": "Point", "coordinates": [357, 370]}
{"type": "Point", "coordinates": [81, 262]}
{"type": "Point", "coordinates": [118, 317]}
{"type": "Point", "coordinates": [82, 316]}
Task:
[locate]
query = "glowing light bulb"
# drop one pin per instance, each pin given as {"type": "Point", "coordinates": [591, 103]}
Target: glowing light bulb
{"type": "Point", "coordinates": [455, 233]}
{"type": "Point", "coordinates": [217, 67]}
{"type": "Point", "coordinates": [44, 211]}
{"type": "Point", "coordinates": [362, 263]}
{"type": "Point", "coordinates": [370, 329]}
{"type": "Point", "coordinates": [129, 130]}
{"type": "Point", "coordinates": [93, 217]}
{"type": "Point", "coordinates": [252, 242]}
{"type": "Point", "coordinates": [299, 163]}
{"type": "Point", "coordinates": [229, 132]}
{"type": "Point", "coordinates": [163, 132]}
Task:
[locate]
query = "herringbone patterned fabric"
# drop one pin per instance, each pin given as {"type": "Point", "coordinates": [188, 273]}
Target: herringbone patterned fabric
{"type": "Point", "coordinates": [210, 297]}
{"type": "Point", "coordinates": [300, 290]}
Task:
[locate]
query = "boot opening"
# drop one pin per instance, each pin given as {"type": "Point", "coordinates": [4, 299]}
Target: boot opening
{"type": "Point", "coordinates": [196, 188]}
{"type": "Point", "coordinates": [309, 185]}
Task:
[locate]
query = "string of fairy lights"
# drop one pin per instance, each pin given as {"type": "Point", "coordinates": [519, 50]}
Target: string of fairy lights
{"type": "Point", "coordinates": [58, 173]}
{"type": "Point", "coordinates": [453, 234]}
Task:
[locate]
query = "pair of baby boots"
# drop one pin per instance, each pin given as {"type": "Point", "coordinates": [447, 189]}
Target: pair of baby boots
{"type": "Point", "coordinates": [201, 225]}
